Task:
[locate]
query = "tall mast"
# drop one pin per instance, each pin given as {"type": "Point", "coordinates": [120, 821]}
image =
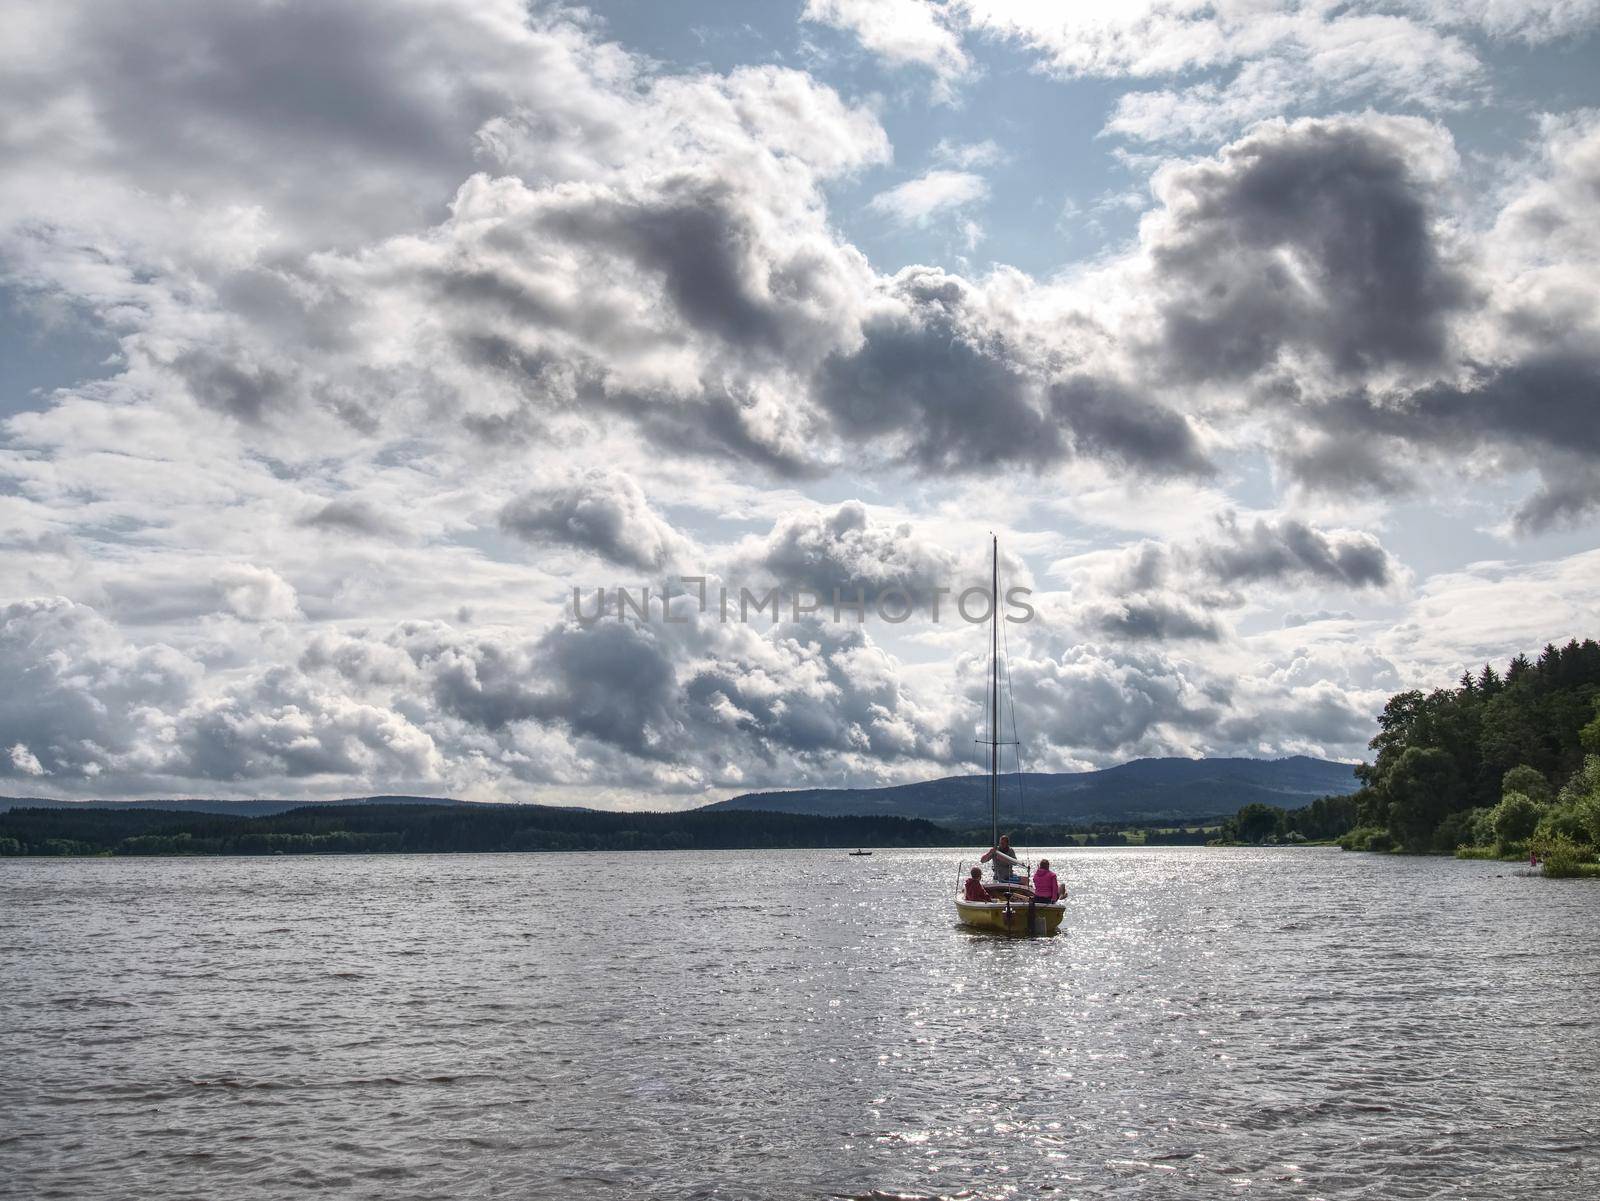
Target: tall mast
{"type": "Point", "coordinates": [994, 692]}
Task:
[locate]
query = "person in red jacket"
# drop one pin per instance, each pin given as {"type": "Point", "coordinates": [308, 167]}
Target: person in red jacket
{"type": "Point", "coordinates": [975, 889]}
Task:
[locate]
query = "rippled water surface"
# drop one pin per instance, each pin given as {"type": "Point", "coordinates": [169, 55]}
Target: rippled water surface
{"type": "Point", "coordinates": [1279, 1023]}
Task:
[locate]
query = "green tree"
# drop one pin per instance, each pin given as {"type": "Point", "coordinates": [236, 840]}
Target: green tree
{"type": "Point", "coordinates": [1423, 787]}
{"type": "Point", "coordinates": [1529, 781]}
{"type": "Point", "coordinates": [1515, 818]}
{"type": "Point", "coordinates": [1257, 822]}
{"type": "Point", "coordinates": [1589, 736]}
{"type": "Point", "coordinates": [1454, 831]}
{"type": "Point", "coordinates": [1581, 795]}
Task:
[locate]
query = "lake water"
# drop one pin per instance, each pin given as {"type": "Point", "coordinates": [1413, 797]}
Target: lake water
{"type": "Point", "coordinates": [1210, 1023]}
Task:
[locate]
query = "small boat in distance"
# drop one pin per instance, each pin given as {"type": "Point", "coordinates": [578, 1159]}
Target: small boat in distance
{"type": "Point", "coordinates": [855, 853]}
{"type": "Point", "coordinates": [1013, 911]}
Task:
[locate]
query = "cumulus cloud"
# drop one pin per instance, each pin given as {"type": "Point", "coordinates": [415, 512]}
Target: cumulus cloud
{"type": "Point", "coordinates": [686, 708]}
{"type": "Point", "coordinates": [286, 124]}
{"type": "Point", "coordinates": [1171, 591]}
{"type": "Point", "coordinates": [604, 513]}
{"type": "Point", "coordinates": [1114, 705]}
{"type": "Point", "coordinates": [844, 551]}
{"type": "Point", "coordinates": [257, 593]}
{"type": "Point", "coordinates": [947, 379]}
{"type": "Point", "coordinates": [690, 706]}
{"type": "Point", "coordinates": [1287, 549]}
{"type": "Point", "coordinates": [25, 761]}
{"type": "Point", "coordinates": [81, 701]}
{"type": "Point", "coordinates": [1154, 618]}
{"type": "Point", "coordinates": [1319, 238]}
{"type": "Point", "coordinates": [278, 727]}
{"type": "Point", "coordinates": [680, 708]}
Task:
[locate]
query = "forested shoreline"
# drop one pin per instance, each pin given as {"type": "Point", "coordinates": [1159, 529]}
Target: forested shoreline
{"type": "Point", "coordinates": [1504, 765]}
{"type": "Point", "coordinates": [346, 829]}
{"type": "Point", "coordinates": [417, 828]}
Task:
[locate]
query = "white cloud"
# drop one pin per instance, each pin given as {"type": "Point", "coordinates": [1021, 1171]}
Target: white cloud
{"type": "Point", "coordinates": [901, 32]}
{"type": "Point", "coordinates": [604, 513]}
{"type": "Point", "coordinates": [935, 193]}
{"type": "Point", "coordinates": [26, 762]}
{"type": "Point", "coordinates": [1323, 65]}
{"type": "Point", "coordinates": [968, 155]}
{"type": "Point", "coordinates": [1284, 56]}
{"type": "Point", "coordinates": [257, 593]}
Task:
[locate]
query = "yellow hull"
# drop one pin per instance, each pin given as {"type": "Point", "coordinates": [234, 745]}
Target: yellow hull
{"type": "Point", "coordinates": [1011, 919]}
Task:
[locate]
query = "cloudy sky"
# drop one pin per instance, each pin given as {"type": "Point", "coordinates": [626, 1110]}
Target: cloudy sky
{"type": "Point", "coordinates": [340, 340]}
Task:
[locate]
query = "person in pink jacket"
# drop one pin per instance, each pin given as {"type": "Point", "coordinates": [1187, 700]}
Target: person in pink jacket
{"type": "Point", "coordinates": [1046, 887]}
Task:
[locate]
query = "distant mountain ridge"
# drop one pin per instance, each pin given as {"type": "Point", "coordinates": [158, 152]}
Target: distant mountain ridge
{"type": "Point", "coordinates": [1141, 790]}
{"type": "Point", "coordinates": [1138, 791]}
{"type": "Point", "coordinates": [257, 808]}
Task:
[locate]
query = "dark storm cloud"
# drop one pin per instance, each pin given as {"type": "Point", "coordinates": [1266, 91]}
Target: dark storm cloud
{"type": "Point", "coordinates": [349, 515]}
{"type": "Point", "coordinates": [696, 238]}
{"type": "Point", "coordinates": [707, 242]}
{"type": "Point", "coordinates": [1110, 421]}
{"type": "Point", "coordinates": [604, 513]}
{"type": "Point", "coordinates": [612, 682]}
{"type": "Point", "coordinates": [1345, 465]}
{"type": "Point", "coordinates": [716, 423]}
{"type": "Point", "coordinates": [349, 119]}
{"type": "Point", "coordinates": [1287, 549]}
{"type": "Point", "coordinates": [1545, 410]}
{"type": "Point", "coordinates": [233, 385]}
{"type": "Point", "coordinates": [1318, 236]}
{"type": "Point", "coordinates": [945, 403]}
{"type": "Point", "coordinates": [1150, 618]}
{"type": "Point", "coordinates": [949, 397]}
{"type": "Point", "coordinates": [1567, 495]}
{"type": "Point", "coordinates": [1548, 402]}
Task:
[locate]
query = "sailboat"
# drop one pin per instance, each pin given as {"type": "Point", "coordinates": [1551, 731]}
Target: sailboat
{"type": "Point", "coordinates": [1012, 911]}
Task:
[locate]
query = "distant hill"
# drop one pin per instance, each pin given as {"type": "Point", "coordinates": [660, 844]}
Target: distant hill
{"type": "Point", "coordinates": [234, 808]}
{"type": "Point", "coordinates": [1142, 790]}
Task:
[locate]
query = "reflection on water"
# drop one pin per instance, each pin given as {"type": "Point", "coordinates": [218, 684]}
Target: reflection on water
{"type": "Point", "coordinates": [799, 1024]}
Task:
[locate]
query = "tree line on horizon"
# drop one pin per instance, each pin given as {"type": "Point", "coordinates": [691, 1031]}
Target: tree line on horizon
{"type": "Point", "coordinates": [413, 828]}
{"type": "Point", "coordinates": [1503, 764]}
{"type": "Point", "coordinates": [346, 829]}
